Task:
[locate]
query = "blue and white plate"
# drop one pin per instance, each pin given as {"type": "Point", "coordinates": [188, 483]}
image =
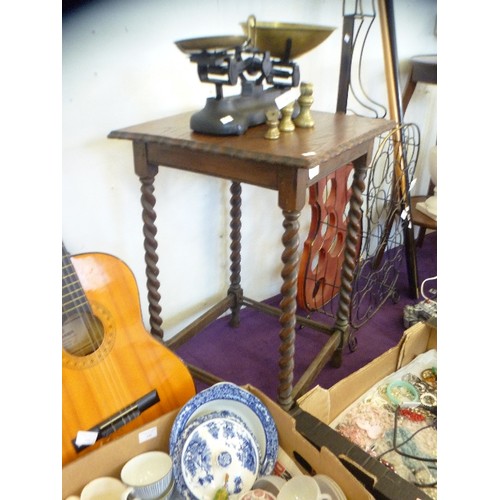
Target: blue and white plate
{"type": "Point", "coordinates": [219, 453]}
{"type": "Point", "coordinates": [230, 397]}
{"type": "Point", "coordinates": [176, 453]}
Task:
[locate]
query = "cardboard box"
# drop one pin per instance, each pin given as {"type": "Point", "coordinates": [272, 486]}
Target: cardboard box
{"type": "Point", "coordinates": [109, 459]}
{"type": "Point", "coordinates": [320, 406]}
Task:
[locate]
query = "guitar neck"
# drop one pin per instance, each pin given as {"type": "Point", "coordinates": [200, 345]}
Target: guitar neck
{"type": "Point", "coordinates": [74, 300]}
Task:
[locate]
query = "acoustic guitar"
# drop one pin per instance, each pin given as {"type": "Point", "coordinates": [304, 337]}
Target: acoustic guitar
{"type": "Point", "coordinates": [115, 375]}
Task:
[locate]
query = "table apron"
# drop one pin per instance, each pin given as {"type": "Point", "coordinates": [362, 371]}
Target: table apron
{"type": "Point", "coordinates": [258, 173]}
{"type": "Point", "coordinates": [215, 165]}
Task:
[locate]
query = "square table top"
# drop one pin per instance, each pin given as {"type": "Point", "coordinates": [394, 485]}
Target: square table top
{"type": "Point", "coordinates": [332, 135]}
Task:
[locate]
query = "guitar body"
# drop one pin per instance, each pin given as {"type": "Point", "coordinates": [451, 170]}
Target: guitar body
{"type": "Point", "coordinates": [124, 365]}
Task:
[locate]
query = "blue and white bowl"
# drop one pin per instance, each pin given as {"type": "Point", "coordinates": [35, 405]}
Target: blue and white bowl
{"type": "Point", "coordinates": [220, 452]}
{"type": "Point", "coordinates": [249, 408]}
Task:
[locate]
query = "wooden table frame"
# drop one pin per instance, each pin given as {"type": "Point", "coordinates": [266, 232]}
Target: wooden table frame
{"type": "Point", "coordinates": [288, 165]}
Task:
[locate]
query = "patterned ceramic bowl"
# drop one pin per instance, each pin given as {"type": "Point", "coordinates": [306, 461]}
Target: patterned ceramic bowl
{"type": "Point", "coordinates": [220, 452]}
{"type": "Point", "coordinates": [226, 396]}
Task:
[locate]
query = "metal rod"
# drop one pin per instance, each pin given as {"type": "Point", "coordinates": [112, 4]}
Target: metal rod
{"type": "Point", "coordinates": [345, 64]}
{"type": "Point", "coordinates": [388, 29]}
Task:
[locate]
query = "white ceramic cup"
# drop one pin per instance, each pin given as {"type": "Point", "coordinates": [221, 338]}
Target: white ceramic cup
{"type": "Point", "coordinates": [328, 485]}
{"type": "Point", "coordinates": [257, 494]}
{"type": "Point", "coordinates": [270, 483]}
{"type": "Point", "coordinates": [103, 488]}
{"type": "Point", "coordinates": [302, 487]}
{"type": "Point", "coordinates": [147, 475]}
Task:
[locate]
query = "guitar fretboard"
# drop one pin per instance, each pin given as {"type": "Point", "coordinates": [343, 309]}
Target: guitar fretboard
{"type": "Point", "coordinates": [74, 300]}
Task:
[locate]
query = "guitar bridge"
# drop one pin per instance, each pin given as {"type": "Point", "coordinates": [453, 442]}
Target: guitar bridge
{"type": "Point", "coordinates": [119, 419]}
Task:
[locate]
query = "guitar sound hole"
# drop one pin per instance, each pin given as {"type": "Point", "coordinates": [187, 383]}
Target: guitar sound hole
{"type": "Point", "coordinates": [82, 334]}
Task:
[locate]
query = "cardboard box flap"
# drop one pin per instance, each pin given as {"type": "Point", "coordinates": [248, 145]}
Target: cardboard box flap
{"type": "Point", "coordinates": [419, 338]}
{"type": "Point", "coordinates": [326, 404]}
{"type": "Point", "coordinates": [317, 402]}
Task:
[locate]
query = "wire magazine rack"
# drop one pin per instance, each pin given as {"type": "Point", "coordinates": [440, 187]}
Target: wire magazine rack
{"type": "Point", "coordinates": [380, 254]}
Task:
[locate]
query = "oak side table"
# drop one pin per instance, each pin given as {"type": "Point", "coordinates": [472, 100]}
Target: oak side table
{"type": "Point", "coordinates": [288, 165]}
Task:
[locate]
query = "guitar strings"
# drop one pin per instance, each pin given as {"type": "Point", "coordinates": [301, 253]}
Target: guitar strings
{"type": "Point", "coordinates": [76, 305]}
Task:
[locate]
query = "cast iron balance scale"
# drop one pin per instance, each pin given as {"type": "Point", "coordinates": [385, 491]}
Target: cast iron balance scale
{"type": "Point", "coordinates": [261, 60]}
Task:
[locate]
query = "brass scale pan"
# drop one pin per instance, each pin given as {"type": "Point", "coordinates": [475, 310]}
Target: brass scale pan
{"type": "Point", "coordinates": [272, 37]}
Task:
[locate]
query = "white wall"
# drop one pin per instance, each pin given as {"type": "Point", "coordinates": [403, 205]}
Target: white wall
{"type": "Point", "coordinates": [121, 67]}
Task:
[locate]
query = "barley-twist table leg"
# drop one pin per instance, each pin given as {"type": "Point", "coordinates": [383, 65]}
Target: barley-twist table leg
{"type": "Point", "coordinates": [288, 305]}
{"type": "Point", "coordinates": [350, 255]}
{"type": "Point", "coordinates": [235, 267]}
{"type": "Point", "coordinates": [151, 257]}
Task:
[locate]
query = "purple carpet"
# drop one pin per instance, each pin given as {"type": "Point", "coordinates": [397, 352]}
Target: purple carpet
{"type": "Point", "coordinates": [249, 353]}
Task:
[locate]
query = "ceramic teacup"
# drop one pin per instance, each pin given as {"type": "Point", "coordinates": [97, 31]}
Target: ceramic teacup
{"type": "Point", "coordinates": [148, 475]}
{"type": "Point", "coordinates": [270, 483]}
{"type": "Point", "coordinates": [103, 488]}
{"type": "Point", "coordinates": [257, 494]}
{"type": "Point", "coordinates": [328, 485]}
{"type": "Point", "coordinates": [302, 487]}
